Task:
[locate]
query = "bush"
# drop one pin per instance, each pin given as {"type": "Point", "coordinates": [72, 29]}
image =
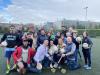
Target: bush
{"type": "Point", "coordinates": [91, 32]}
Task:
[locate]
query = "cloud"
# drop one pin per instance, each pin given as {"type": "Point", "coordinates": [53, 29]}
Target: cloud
{"type": "Point", "coordinates": [37, 11]}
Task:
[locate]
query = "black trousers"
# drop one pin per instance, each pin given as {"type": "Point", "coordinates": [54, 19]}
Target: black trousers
{"type": "Point", "coordinates": [87, 56]}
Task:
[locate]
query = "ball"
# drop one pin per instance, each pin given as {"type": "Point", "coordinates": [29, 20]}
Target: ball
{"type": "Point", "coordinates": [63, 71]}
{"type": "Point", "coordinates": [4, 43]}
{"type": "Point", "coordinates": [78, 39]}
{"type": "Point", "coordinates": [62, 50]}
{"type": "Point", "coordinates": [51, 52]}
{"type": "Point", "coordinates": [85, 45]}
{"type": "Point", "coordinates": [39, 66]}
{"type": "Point", "coordinates": [53, 70]}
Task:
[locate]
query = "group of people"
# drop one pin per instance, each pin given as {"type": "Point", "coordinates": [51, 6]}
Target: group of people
{"type": "Point", "coordinates": [33, 51]}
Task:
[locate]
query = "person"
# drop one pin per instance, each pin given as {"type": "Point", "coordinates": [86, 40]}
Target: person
{"type": "Point", "coordinates": [63, 38]}
{"type": "Point", "coordinates": [22, 57]}
{"type": "Point", "coordinates": [58, 35]}
{"type": "Point", "coordinates": [29, 36]}
{"type": "Point", "coordinates": [48, 36]}
{"type": "Point", "coordinates": [20, 34]}
{"type": "Point", "coordinates": [53, 48]}
{"type": "Point", "coordinates": [63, 30]}
{"type": "Point", "coordinates": [77, 43]}
{"type": "Point", "coordinates": [12, 39]}
{"type": "Point", "coordinates": [87, 51]}
{"type": "Point", "coordinates": [69, 55]}
{"type": "Point", "coordinates": [34, 45]}
{"type": "Point", "coordinates": [42, 55]}
{"type": "Point", "coordinates": [70, 31]}
{"type": "Point", "coordinates": [61, 50]}
{"type": "Point", "coordinates": [41, 37]}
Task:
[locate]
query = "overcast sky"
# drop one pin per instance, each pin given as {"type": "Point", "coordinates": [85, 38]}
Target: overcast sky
{"type": "Point", "coordinates": [39, 11]}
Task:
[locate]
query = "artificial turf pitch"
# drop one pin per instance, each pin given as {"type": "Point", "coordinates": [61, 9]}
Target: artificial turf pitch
{"type": "Point", "coordinates": [95, 64]}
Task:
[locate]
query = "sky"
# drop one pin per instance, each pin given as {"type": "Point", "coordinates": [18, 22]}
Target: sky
{"type": "Point", "coordinates": [40, 11]}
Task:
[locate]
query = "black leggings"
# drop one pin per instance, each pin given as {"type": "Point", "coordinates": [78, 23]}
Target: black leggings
{"type": "Point", "coordinates": [87, 56]}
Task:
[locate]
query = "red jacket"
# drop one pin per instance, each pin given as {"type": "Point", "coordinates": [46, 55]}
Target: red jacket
{"type": "Point", "coordinates": [18, 52]}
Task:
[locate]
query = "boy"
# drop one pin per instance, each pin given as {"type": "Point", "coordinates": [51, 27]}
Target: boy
{"type": "Point", "coordinates": [12, 41]}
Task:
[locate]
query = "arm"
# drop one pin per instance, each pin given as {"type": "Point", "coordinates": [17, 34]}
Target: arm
{"type": "Point", "coordinates": [38, 39]}
{"type": "Point", "coordinates": [15, 55]}
{"type": "Point", "coordinates": [90, 43]}
{"type": "Point", "coordinates": [31, 54]}
{"type": "Point", "coordinates": [72, 50]}
{"type": "Point", "coordinates": [3, 38]}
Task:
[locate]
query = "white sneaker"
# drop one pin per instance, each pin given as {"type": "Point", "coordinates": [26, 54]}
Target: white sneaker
{"type": "Point", "coordinates": [85, 66]}
{"type": "Point", "coordinates": [88, 68]}
{"type": "Point", "coordinates": [18, 70]}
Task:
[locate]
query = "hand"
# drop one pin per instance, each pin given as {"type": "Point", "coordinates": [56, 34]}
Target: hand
{"type": "Point", "coordinates": [19, 60]}
{"type": "Point", "coordinates": [0, 45]}
{"type": "Point", "coordinates": [29, 65]}
{"type": "Point", "coordinates": [63, 55]}
{"type": "Point", "coordinates": [50, 58]}
{"type": "Point", "coordinates": [15, 47]}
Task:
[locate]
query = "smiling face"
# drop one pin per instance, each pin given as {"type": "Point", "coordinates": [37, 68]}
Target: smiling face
{"type": "Point", "coordinates": [85, 34]}
{"type": "Point", "coordinates": [60, 41]}
{"type": "Point", "coordinates": [51, 43]}
{"type": "Point", "coordinates": [46, 42]}
{"type": "Point", "coordinates": [69, 40]}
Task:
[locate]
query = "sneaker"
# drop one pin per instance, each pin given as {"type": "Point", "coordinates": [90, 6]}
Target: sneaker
{"type": "Point", "coordinates": [8, 71]}
{"type": "Point", "coordinates": [13, 68]}
{"type": "Point", "coordinates": [85, 66]}
{"type": "Point", "coordinates": [88, 68]}
{"type": "Point", "coordinates": [8, 67]}
{"type": "Point", "coordinates": [18, 70]}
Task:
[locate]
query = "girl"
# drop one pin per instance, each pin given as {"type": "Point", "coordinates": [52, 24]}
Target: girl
{"type": "Point", "coordinates": [87, 51]}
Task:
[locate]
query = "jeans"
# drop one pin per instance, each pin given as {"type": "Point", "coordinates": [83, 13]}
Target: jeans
{"type": "Point", "coordinates": [72, 65]}
{"type": "Point", "coordinates": [46, 62]}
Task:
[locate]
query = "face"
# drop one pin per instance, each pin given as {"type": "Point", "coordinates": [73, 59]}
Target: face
{"type": "Point", "coordinates": [70, 29]}
{"type": "Point", "coordinates": [69, 39]}
{"type": "Point", "coordinates": [42, 32]}
{"type": "Point", "coordinates": [62, 36]}
{"type": "Point", "coordinates": [35, 35]}
{"type": "Point", "coordinates": [60, 41]}
{"type": "Point", "coordinates": [31, 29]}
{"type": "Point", "coordinates": [46, 42]}
{"type": "Point", "coordinates": [48, 34]}
{"type": "Point", "coordinates": [25, 43]}
{"type": "Point", "coordinates": [51, 43]}
{"type": "Point", "coordinates": [58, 34]}
{"type": "Point", "coordinates": [19, 28]}
{"type": "Point", "coordinates": [84, 34]}
{"type": "Point", "coordinates": [63, 28]}
{"type": "Point", "coordinates": [12, 29]}
{"type": "Point", "coordinates": [74, 34]}
{"type": "Point", "coordinates": [68, 34]}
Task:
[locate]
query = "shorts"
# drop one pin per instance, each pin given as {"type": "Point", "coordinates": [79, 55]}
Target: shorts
{"type": "Point", "coordinates": [9, 52]}
{"type": "Point", "coordinates": [25, 64]}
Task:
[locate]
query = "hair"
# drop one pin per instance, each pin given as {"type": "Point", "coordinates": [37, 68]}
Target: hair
{"type": "Point", "coordinates": [86, 33]}
{"type": "Point", "coordinates": [12, 26]}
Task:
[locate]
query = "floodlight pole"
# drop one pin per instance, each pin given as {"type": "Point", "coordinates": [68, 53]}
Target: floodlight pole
{"type": "Point", "coordinates": [86, 10]}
